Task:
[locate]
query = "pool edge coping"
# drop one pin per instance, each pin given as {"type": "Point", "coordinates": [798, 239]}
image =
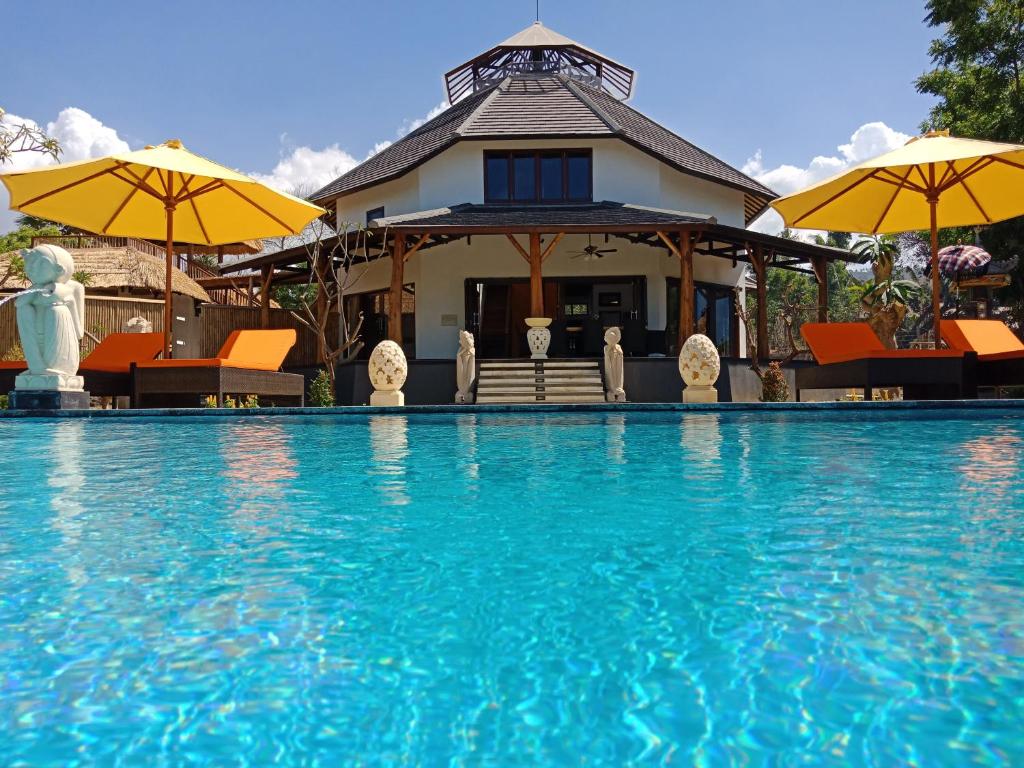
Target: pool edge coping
{"type": "Point", "coordinates": [453, 409]}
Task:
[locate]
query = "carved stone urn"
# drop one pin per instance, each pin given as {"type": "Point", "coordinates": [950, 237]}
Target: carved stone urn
{"type": "Point", "coordinates": [538, 337]}
{"type": "Point", "coordinates": [699, 365]}
{"type": "Point", "coordinates": [388, 370]}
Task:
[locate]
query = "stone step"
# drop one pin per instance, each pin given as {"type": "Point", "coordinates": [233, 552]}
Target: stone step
{"type": "Point", "coordinates": [541, 381]}
{"type": "Point", "coordinates": [511, 390]}
{"type": "Point", "coordinates": [565, 373]}
{"type": "Point", "coordinates": [573, 398]}
{"type": "Point", "coordinates": [490, 364]}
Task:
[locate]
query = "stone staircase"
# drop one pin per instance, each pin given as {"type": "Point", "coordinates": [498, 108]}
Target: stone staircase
{"type": "Point", "coordinates": [539, 381]}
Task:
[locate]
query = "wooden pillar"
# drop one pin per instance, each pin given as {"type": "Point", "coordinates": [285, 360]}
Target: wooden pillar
{"type": "Point", "coordinates": [686, 291]}
{"type": "Point", "coordinates": [266, 281]}
{"type": "Point", "coordinates": [536, 277]}
{"type": "Point", "coordinates": [758, 261]}
{"type": "Point", "coordinates": [820, 266]}
{"type": "Point", "coordinates": [220, 254]}
{"type": "Point", "coordinates": [395, 295]}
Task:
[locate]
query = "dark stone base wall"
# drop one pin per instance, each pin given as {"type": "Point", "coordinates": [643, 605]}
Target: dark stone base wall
{"type": "Point", "coordinates": [648, 380]}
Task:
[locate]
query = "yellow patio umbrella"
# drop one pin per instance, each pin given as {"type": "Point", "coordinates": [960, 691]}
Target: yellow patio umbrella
{"type": "Point", "coordinates": [162, 192]}
{"type": "Point", "coordinates": [932, 180]}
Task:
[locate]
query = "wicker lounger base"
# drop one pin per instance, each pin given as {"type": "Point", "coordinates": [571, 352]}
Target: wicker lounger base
{"type": "Point", "coordinates": [922, 378]}
{"type": "Point", "coordinates": [185, 386]}
{"type": "Point", "coordinates": [1001, 373]}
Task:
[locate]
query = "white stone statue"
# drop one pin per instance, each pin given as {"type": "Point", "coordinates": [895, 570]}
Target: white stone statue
{"type": "Point", "coordinates": [388, 369]}
{"type": "Point", "coordinates": [51, 321]}
{"type": "Point", "coordinates": [699, 365]}
{"type": "Point", "coordinates": [614, 375]}
{"type": "Point", "coordinates": [465, 368]}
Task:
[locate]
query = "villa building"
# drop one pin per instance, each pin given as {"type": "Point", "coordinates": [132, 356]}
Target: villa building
{"type": "Point", "coordinates": [540, 192]}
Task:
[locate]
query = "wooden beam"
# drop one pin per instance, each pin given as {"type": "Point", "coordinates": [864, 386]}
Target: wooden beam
{"type": "Point", "coordinates": [395, 293]}
{"type": "Point", "coordinates": [536, 277]}
{"type": "Point", "coordinates": [419, 244]}
{"type": "Point", "coordinates": [686, 290]}
{"type": "Point", "coordinates": [522, 251]}
{"type": "Point", "coordinates": [820, 267]}
{"type": "Point", "coordinates": [759, 263]}
{"type": "Point", "coordinates": [671, 246]}
{"type": "Point", "coordinates": [266, 281]}
{"type": "Point", "coordinates": [551, 246]}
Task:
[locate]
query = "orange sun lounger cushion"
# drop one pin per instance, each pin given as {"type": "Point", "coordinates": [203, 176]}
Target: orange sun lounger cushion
{"type": "Point", "coordinates": [115, 354]}
{"type": "Point", "coordinates": [842, 342]}
{"type": "Point", "coordinates": [255, 350]}
{"type": "Point", "coordinates": [991, 339]}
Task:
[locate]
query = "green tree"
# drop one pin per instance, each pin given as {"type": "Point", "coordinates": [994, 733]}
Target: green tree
{"type": "Point", "coordinates": [977, 77]}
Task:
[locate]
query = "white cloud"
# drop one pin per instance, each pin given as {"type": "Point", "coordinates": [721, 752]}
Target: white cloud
{"type": "Point", "coordinates": [304, 170]}
{"type": "Point", "coordinates": [408, 126]}
{"type": "Point", "coordinates": [870, 140]}
{"type": "Point", "coordinates": [81, 137]}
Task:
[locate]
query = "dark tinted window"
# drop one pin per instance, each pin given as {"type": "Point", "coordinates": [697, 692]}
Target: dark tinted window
{"type": "Point", "coordinates": [578, 171]}
{"type": "Point", "coordinates": [551, 177]}
{"type": "Point", "coordinates": [513, 176]}
{"type": "Point", "coordinates": [525, 176]}
{"type": "Point", "coordinates": [374, 213]}
{"type": "Point", "coordinates": [497, 177]}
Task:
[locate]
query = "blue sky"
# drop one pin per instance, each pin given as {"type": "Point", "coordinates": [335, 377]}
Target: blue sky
{"type": "Point", "coordinates": [252, 83]}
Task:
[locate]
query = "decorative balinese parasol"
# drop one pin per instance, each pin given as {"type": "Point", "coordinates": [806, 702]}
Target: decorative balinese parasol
{"type": "Point", "coordinates": [955, 260]}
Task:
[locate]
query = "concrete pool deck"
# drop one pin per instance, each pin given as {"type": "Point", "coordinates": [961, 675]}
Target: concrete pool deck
{"type": "Point", "coordinates": [892, 406]}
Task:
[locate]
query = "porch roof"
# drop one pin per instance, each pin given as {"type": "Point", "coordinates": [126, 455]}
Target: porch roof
{"type": "Point", "coordinates": [638, 224]}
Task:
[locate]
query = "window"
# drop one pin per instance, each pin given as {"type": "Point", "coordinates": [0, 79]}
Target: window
{"type": "Point", "coordinates": [374, 213]}
{"type": "Point", "coordinates": [557, 176]}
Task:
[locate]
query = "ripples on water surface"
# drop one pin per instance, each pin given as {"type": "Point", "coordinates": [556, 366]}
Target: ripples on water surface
{"type": "Point", "coordinates": [595, 589]}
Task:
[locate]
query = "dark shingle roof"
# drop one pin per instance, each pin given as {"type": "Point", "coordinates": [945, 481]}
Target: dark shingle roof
{"type": "Point", "coordinates": [539, 105]}
{"type": "Point", "coordinates": [601, 214]}
{"type": "Point", "coordinates": [536, 106]}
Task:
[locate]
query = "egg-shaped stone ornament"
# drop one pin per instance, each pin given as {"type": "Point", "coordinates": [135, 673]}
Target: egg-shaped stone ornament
{"type": "Point", "coordinates": [699, 365]}
{"type": "Point", "coordinates": [388, 370]}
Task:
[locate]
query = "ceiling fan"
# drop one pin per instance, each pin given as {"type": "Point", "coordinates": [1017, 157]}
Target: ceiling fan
{"type": "Point", "coordinates": [592, 252]}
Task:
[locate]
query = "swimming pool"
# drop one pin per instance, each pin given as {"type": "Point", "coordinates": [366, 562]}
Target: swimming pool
{"type": "Point", "coordinates": [514, 589]}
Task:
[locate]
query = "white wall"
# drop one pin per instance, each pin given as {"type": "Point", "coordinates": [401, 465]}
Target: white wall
{"type": "Point", "coordinates": [439, 275]}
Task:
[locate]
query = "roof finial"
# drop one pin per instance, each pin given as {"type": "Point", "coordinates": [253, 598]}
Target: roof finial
{"type": "Point", "coordinates": [537, 17]}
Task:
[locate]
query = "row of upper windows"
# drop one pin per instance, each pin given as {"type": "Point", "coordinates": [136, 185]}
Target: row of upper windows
{"type": "Point", "coordinates": [543, 176]}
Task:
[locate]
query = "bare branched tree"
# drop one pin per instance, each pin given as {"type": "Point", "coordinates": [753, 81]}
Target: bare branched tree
{"type": "Point", "coordinates": [330, 260]}
{"type": "Point", "coordinates": [24, 137]}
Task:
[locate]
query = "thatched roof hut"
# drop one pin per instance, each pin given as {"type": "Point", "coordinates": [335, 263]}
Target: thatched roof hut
{"type": "Point", "coordinates": [121, 271]}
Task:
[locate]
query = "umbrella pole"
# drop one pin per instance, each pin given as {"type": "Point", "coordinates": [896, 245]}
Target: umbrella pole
{"type": "Point", "coordinates": [936, 281]}
{"type": "Point", "coordinates": [168, 275]}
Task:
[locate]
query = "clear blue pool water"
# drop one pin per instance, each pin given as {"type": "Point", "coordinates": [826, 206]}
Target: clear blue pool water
{"type": "Point", "coordinates": [512, 589]}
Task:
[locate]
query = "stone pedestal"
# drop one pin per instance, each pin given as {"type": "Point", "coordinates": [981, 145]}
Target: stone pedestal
{"type": "Point", "coordinates": [379, 397]}
{"type": "Point", "coordinates": [699, 394]}
{"type": "Point", "coordinates": [538, 337]}
{"type": "Point", "coordinates": [36, 382]}
{"type": "Point", "coordinates": [48, 400]}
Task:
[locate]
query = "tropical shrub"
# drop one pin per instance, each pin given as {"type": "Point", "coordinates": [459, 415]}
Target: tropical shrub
{"type": "Point", "coordinates": [321, 394]}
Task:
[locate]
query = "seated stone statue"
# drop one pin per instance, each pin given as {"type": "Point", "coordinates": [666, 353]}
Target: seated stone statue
{"type": "Point", "coordinates": [51, 321]}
